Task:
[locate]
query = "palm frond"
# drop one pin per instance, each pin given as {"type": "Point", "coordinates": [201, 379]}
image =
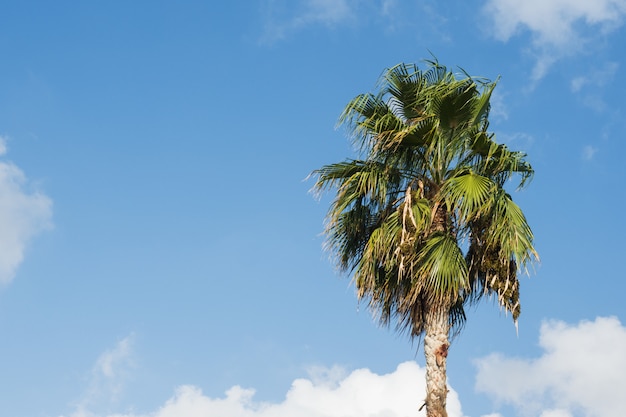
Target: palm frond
{"type": "Point", "coordinates": [497, 161]}
{"type": "Point", "coordinates": [501, 246]}
{"type": "Point", "coordinates": [510, 230]}
{"type": "Point", "coordinates": [442, 271]}
{"type": "Point", "coordinates": [482, 104]}
{"type": "Point", "coordinates": [468, 193]}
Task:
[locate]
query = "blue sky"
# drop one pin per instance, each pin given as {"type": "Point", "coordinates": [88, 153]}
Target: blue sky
{"type": "Point", "coordinates": [161, 254]}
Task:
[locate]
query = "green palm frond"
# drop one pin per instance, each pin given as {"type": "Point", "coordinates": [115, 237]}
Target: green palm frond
{"type": "Point", "coordinates": [468, 193]}
{"type": "Point", "coordinates": [501, 246]}
{"type": "Point", "coordinates": [442, 271]}
{"type": "Point", "coordinates": [421, 214]}
{"type": "Point", "coordinates": [332, 174]}
{"type": "Point", "coordinates": [497, 161]}
{"type": "Point", "coordinates": [348, 233]}
{"type": "Point", "coordinates": [379, 250]}
{"type": "Point", "coordinates": [403, 86]}
{"type": "Point", "coordinates": [482, 104]}
{"type": "Point", "coordinates": [454, 106]}
{"type": "Point", "coordinates": [510, 231]}
{"type": "Point", "coordinates": [369, 117]}
{"type": "Point", "coordinates": [369, 180]}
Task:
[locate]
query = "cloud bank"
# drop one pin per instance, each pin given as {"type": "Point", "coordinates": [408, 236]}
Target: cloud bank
{"type": "Point", "coordinates": [361, 393]}
{"type": "Point", "coordinates": [326, 393]}
{"type": "Point", "coordinates": [23, 215]}
{"type": "Point", "coordinates": [582, 372]}
{"type": "Point", "coordinates": [558, 28]}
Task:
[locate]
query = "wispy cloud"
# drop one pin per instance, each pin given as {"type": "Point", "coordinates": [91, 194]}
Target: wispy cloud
{"type": "Point", "coordinates": [388, 6]}
{"type": "Point", "coordinates": [558, 28]}
{"type": "Point", "coordinates": [589, 86]}
{"type": "Point", "coordinates": [107, 378]}
{"type": "Point", "coordinates": [286, 17]}
{"type": "Point", "coordinates": [517, 141]}
{"type": "Point", "coordinates": [24, 213]}
{"type": "Point", "coordinates": [581, 369]}
{"type": "Point", "coordinates": [589, 152]}
{"type": "Point", "coordinates": [499, 110]}
{"type": "Point", "coordinates": [598, 77]}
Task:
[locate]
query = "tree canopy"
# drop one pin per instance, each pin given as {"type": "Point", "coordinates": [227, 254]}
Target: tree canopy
{"type": "Point", "coordinates": [422, 219]}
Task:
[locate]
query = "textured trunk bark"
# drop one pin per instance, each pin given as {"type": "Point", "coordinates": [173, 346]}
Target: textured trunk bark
{"type": "Point", "coordinates": [436, 343]}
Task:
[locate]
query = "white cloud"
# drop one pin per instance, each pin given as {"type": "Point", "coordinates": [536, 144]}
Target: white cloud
{"type": "Point", "coordinates": [553, 22]}
{"type": "Point", "coordinates": [329, 393]}
{"type": "Point", "coordinates": [558, 27]}
{"type": "Point", "coordinates": [23, 215]}
{"type": "Point", "coordinates": [582, 368]}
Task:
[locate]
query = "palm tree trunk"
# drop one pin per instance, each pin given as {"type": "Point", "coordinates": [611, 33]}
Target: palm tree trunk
{"type": "Point", "coordinates": [436, 345]}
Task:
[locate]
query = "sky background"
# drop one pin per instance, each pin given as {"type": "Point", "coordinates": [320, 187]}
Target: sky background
{"type": "Point", "coordinates": [160, 252]}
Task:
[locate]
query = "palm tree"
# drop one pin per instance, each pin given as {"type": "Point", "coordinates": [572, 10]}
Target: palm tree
{"type": "Point", "coordinates": [422, 221]}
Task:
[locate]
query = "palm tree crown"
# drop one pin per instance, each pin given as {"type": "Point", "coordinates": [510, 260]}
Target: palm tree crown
{"type": "Point", "coordinates": [422, 220]}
